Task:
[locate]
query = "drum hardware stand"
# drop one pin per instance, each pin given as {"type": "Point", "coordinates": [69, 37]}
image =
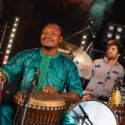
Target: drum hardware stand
{"type": "Point", "coordinates": [76, 33]}
{"type": "Point", "coordinates": [85, 116]}
{"type": "Point", "coordinates": [28, 94]}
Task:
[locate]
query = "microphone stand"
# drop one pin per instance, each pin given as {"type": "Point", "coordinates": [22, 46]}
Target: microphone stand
{"type": "Point", "coordinates": [28, 94]}
{"type": "Point", "coordinates": [85, 116]}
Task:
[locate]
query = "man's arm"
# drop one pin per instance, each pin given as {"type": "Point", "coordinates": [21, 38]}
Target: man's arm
{"type": "Point", "coordinates": [70, 97]}
{"type": "Point", "coordinates": [3, 78]}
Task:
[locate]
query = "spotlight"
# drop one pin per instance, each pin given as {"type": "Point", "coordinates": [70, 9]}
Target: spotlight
{"type": "Point", "coordinates": [109, 35]}
{"type": "Point", "coordinates": [119, 29]}
{"type": "Point", "coordinates": [117, 36]}
{"type": "Point", "coordinates": [113, 31]}
{"type": "Point", "coordinates": [84, 36]}
{"type": "Point", "coordinates": [111, 27]}
{"type": "Point", "coordinates": [83, 42]}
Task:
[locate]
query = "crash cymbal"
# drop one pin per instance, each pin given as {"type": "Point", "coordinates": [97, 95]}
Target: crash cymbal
{"type": "Point", "coordinates": [82, 59]}
{"type": "Point", "coordinates": [67, 48]}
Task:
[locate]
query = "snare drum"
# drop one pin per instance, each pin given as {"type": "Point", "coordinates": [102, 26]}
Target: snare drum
{"type": "Point", "coordinates": [98, 113]}
{"type": "Point", "coordinates": [42, 108]}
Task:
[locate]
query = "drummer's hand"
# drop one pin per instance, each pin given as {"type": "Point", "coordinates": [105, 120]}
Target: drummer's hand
{"type": "Point", "coordinates": [3, 77]}
{"type": "Point", "coordinates": [50, 89]}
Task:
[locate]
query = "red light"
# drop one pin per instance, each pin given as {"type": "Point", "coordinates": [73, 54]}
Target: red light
{"type": "Point", "coordinates": [82, 47]}
{"type": "Point", "coordinates": [5, 59]}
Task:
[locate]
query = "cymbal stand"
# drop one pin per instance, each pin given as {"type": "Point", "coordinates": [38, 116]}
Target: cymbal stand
{"type": "Point", "coordinates": [85, 116]}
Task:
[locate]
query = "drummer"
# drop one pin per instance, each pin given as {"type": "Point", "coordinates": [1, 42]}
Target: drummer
{"type": "Point", "coordinates": [54, 70]}
{"type": "Point", "coordinates": [104, 72]}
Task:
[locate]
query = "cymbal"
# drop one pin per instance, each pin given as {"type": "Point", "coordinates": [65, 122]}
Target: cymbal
{"type": "Point", "coordinates": [67, 48]}
{"type": "Point", "coordinates": [82, 59]}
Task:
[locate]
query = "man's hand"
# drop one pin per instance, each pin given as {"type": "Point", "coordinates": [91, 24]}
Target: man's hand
{"type": "Point", "coordinates": [50, 89]}
{"type": "Point", "coordinates": [3, 77]}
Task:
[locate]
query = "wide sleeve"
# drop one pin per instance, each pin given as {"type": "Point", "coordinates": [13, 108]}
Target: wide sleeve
{"type": "Point", "coordinates": [73, 79]}
{"type": "Point", "coordinates": [14, 66]}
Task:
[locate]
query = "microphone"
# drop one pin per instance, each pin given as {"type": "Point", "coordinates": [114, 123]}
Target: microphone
{"type": "Point", "coordinates": [90, 25]}
{"type": "Point", "coordinates": [88, 21]}
{"type": "Point", "coordinates": [92, 28]}
{"type": "Point", "coordinates": [35, 78]}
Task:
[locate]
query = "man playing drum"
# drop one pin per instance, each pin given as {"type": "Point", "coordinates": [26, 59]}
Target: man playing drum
{"type": "Point", "coordinates": [104, 72]}
{"type": "Point", "coordinates": [55, 70]}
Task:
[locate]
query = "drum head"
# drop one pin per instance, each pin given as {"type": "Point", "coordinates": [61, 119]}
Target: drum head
{"type": "Point", "coordinates": [98, 113]}
{"type": "Point", "coordinates": [40, 100]}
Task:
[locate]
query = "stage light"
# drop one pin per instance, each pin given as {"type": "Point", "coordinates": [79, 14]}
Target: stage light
{"type": "Point", "coordinates": [13, 29]}
{"type": "Point", "coordinates": [11, 40]}
{"type": "Point", "coordinates": [84, 36]}
{"type": "Point", "coordinates": [83, 42]}
{"type": "Point", "coordinates": [82, 47]}
{"type": "Point", "coordinates": [109, 35]}
{"type": "Point", "coordinates": [117, 36]}
{"type": "Point", "coordinates": [111, 27]}
{"type": "Point", "coordinates": [12, 35]}
{"type": "Point", "coordinates": [113, 31]}
{"type": "Point", "coordinates": [119, 29]}
{"type": "Point", "coordinates": [9, 46]}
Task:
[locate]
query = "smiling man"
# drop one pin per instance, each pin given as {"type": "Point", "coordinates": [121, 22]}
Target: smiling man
{"type": "Point", "coordinates": [104, 72]}
{"type": "Point", "coordinates": [55, 70]}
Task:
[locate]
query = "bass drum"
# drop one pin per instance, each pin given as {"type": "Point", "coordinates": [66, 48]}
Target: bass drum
{"type": "Point", "coordinates": [98, 113]}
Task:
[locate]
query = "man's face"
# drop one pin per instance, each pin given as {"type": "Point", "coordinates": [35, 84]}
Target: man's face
{"type": "Point", "coordinates": [112, 52]}
{"type": "Point", "coordinates": [51, 36]}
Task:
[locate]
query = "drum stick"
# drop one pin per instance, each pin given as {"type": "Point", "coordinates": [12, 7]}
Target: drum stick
{"type": "Point", "coordinates": [88, 47]}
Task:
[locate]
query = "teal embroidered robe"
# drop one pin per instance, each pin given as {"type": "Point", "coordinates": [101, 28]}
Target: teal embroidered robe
{"type": "Point", "coordinates": [58, 71]}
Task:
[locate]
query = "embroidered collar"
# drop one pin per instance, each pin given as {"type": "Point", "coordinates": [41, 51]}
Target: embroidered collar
{"type": "Point", "coordinates": [48, 55]}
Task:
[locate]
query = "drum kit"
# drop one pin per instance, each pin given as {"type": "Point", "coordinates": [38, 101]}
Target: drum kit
{"type": "Point", "coordinates": [99, 112]}
{"type": "Point", "coordinates": [48, 109]}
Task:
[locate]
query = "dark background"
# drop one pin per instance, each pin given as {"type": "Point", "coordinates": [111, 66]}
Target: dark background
{"type": "Point", "coordinates": [71, 15]}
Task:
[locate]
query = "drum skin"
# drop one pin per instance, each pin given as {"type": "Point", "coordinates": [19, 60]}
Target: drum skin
{"type": "Point", "coordinates": [42, 108]}
{"type": "Point", "coordinates": [98, 112]}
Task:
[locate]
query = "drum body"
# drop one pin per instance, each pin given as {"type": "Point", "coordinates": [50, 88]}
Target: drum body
{"type": "Point", "coordinates": [42, 108]}
{"type": "Point", "coordinates": [122, 95]}
{"type": "Point", "coordinates": [98, 113]}
{"type": "Point", "coordinates": [119, 111]}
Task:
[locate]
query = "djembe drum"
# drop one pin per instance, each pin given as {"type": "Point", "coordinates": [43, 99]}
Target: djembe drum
{"type": "Point", "coordinates": [42, 108]}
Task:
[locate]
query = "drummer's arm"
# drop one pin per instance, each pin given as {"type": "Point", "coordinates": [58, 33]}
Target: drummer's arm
{"type": "Point", "coordinates": [70, 97]}
{"type": "Point", "coordinates": [85, 73]}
